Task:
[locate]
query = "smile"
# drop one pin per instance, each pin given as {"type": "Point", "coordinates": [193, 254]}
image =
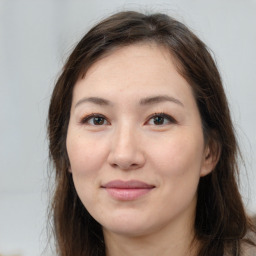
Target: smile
{"type": "Point", "coordinates": [127, 190]}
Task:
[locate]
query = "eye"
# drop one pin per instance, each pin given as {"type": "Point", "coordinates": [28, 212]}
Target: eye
{"type": "Point", "coordinates": [95, 120]}
{"type": "Point", "coordinates": [160, 119]}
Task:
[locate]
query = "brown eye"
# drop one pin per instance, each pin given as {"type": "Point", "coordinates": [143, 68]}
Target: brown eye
{"type": "Point", "coordinates": [98, 120]}
{"type": "Point", "coordinates": [95, 120]}
{"type": "Point", "coordinates": [161, 119]}
{"type": "Point", "coordinates": [158, 120]}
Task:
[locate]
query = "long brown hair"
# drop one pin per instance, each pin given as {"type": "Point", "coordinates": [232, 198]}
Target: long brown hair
{"type": "Point", "coordinates": [221, 221]}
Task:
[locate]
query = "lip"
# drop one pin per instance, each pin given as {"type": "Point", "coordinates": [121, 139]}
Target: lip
{"type": "Point", "coordinates": [127, 190]}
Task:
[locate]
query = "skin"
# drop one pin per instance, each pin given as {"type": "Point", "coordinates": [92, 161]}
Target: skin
{"type": "Point", "coordinates": [128, 143]}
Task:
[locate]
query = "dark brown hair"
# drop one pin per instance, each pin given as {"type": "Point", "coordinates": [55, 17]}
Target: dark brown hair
{"type": "Point", "coordinates": [221, 221]}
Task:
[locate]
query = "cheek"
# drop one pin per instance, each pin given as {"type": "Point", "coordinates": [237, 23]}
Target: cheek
{"type": "Point", "coordinates": [179, 156]}
{"type": "Point", "coordinates": [86, 159]}
{"type": "Point", "coordinates": [82, 152]}
{"type": "Point", "coordinates": [179, 164]}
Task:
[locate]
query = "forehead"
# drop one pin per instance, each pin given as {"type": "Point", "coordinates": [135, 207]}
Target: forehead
{"type": "Point", "coordinates": [136, 69]}
{"type": "Point", "coordinates": [132, 57]}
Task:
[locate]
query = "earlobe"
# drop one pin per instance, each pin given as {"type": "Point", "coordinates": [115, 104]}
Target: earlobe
{"type": "Point", "coordinates": [205, 171]}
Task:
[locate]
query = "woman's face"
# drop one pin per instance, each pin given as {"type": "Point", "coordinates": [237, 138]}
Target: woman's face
{"type": "Point", "coordinates": [135, 142]}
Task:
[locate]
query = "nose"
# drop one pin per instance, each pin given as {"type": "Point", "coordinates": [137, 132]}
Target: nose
{"type": "Point", "coordinates": [126, 150]}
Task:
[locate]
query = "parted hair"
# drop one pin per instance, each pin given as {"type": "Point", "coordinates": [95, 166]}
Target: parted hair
{"type": "Point", "coordinates": [221, 221]}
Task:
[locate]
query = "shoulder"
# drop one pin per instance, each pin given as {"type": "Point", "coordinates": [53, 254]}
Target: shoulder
{"type": "Point", "coordinates": [246, 246]}
{"type": "Point", "coordinates": [248, 249]}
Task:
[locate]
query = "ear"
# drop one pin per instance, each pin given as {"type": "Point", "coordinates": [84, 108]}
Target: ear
{"type": "Point", "coordinates": [210, 158]}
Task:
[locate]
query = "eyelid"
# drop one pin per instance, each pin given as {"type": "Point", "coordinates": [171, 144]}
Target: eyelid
{"type": "Point", "coordinates": [84, 120]}
{"type": "Point", "coordinates": [164, 115]}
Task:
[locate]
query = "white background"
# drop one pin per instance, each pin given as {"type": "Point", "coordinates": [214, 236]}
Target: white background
{"type": "Point", "coordinates": [35, 39]}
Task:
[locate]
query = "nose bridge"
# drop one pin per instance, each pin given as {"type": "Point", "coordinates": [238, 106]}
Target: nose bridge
{"type": "Point", "coordinates": [124, 141]}
{"type": "Point", "coordinates": [125, 151]}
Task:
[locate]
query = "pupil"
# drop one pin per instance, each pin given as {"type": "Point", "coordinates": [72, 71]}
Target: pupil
{"type": "Point", "coordinates": [98, 120]}
{"type": "Point", "coordinates": [158, 120]}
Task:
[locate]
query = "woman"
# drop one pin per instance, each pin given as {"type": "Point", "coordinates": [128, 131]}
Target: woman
{"type": "Point", "coordinates": [143, 146]}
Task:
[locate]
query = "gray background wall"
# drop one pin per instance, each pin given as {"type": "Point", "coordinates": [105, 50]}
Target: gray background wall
{"type": "Point", "coordinates": [37, 36]}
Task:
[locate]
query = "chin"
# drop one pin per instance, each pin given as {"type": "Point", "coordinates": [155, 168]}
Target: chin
{"type": "Point", "coordinates": [127, 226]}
{"type": "Point", "coordinates": [128, 231]}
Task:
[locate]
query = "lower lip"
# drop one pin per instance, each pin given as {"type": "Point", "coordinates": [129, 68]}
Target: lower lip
{"type": "Point", "coordinates": [125, 194]}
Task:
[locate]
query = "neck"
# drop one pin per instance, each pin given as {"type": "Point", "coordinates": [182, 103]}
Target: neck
{"type": "Point", "coordinates": [175, 242]}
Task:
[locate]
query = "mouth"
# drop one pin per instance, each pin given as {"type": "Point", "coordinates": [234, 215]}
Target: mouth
{"type": "Point", "coordinates": [127, 190]}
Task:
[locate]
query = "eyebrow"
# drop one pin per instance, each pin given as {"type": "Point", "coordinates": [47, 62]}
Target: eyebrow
{"type": "Point", "coordinates": [145, 101]}
{"type": "Point", "coordinates": [95, 100]}
{"type": "Point", "coordinates": [160, 98]}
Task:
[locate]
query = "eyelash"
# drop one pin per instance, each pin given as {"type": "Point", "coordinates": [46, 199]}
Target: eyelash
{"type": "Point", "coordinates": [85, 120]}
{"type": "Point", "coordinates": [169, 118]}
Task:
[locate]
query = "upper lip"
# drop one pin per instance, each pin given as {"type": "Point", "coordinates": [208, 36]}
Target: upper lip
{"type": "Point", "coordinates": [130, 184]}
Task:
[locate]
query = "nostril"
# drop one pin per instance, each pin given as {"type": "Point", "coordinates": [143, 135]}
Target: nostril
{"type": "Point", "coordinates": [114, 165]}
{"type": "Point", "coordinates": [123, 166]}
